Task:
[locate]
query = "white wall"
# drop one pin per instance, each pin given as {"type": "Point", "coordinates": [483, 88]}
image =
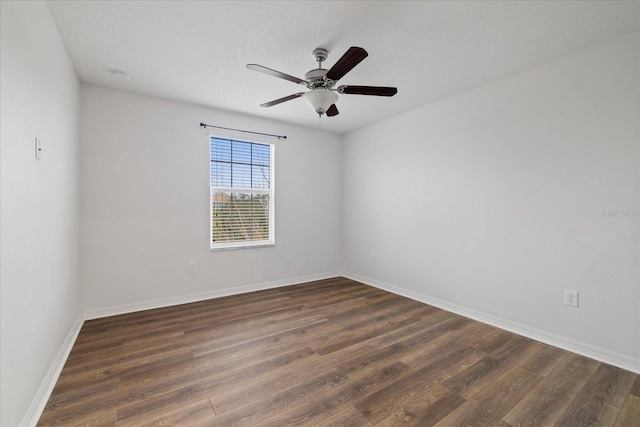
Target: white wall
{"type": "Point", "coordinates": [40, 295]}
{"type": "Point", "coordinates": [145, 209]}
{"type": "Point", "coordinates": [490, 203]}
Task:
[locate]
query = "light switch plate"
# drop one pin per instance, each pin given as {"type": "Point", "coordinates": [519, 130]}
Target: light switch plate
{"type": "Point", "coordinates": [38, 148]}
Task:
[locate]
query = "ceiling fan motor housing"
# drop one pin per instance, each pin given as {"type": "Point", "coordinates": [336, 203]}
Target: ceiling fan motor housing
{"type": "Point", "coordinates": [315, 79]}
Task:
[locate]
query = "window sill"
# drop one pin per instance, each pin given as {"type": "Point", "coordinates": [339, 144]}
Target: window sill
{"type": "Point", "coordinates": [241, 245]}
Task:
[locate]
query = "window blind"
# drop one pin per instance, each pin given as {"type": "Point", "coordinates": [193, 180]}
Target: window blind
{"type": "Point", "coordinates": [241, 193]}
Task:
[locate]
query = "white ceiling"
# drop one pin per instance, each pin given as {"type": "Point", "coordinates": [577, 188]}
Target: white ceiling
{"type": "Point", "coordinates": [196, 51]}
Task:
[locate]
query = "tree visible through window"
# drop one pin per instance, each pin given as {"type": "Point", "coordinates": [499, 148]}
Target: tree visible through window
{"type": "Point", "coordinates": [241, 196]}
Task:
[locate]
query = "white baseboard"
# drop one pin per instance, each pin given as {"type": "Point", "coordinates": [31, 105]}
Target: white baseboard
{"type": "Point", "coordinates": [185, 299]}
{"type": "Point", "coordinates": [593, 352]}
{"type": "Point", "coordinates": [42, 396]}
{"type": "Point", "coordinates": [39, 402]}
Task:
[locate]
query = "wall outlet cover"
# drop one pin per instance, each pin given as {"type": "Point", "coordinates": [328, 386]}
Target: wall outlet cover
{"type": "Point", "coordinates": [571, 297]}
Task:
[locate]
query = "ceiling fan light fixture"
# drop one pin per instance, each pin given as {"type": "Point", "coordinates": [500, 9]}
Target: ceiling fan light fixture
{"type": "Point", "coordinates": [320, 100]}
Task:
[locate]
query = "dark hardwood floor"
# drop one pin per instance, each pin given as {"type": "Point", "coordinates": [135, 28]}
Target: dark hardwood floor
{"type": "Point", "coordinates": [328, 353]}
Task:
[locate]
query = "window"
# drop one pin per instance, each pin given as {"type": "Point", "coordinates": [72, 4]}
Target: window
{"type": "Point", "coordinates": [241, 194]}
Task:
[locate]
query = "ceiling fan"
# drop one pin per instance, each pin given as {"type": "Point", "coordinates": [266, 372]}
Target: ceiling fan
{"type": "Point", "coordinates": [322, 97]}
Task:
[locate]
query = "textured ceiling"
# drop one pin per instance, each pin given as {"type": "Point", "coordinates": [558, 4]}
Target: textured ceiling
{"type": "Point", "coordinates": [196, 51]}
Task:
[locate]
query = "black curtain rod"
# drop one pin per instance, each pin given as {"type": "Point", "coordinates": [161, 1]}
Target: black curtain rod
{"type": "Point", "coordinates": [204, 125]}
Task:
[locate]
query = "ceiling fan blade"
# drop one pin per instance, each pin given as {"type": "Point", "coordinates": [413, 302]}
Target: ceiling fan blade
{"type": "Point", "coordinates": [332, 111]}
{"type": "Point", "coordinates": [368, 90]}
{"type": "Point", "coordinates": [350, 59]}
{"type": "Point", "coordinates": [281, 100]}
{"type": "Point", "coordinates": [260, 68]}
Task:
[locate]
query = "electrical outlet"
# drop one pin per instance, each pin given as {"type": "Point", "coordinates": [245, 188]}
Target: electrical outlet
{"type": "Point", "coordinates": [373, 256]}
{"type": "Point", "coordinates": [570, 297]}
{"type": "Point", "coordinates": [192, 267]}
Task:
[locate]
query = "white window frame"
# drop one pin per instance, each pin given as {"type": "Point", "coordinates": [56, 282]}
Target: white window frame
{"type": "Point", "coordinates": [243, 244]}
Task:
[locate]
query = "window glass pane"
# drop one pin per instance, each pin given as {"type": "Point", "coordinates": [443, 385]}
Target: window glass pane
{"type": "Point", "coordinates": [241, 175]}
{"type": "Point", "coordinates": [220, 217]}
{"type": "Point", "coordinates": [220, 150]}
{"type": "Point", "coordinates": [260, 216]}
{"type": "Point", "coordinates": [240, 216]}
{"type": "Point", "coordinates": [241, 152]}
{"type": "Point", "coordinates": [261, 154]}
{"type": "Point", "coordinates": [220, 174]}
{"type": "Point", "coordinates": [260, 177]}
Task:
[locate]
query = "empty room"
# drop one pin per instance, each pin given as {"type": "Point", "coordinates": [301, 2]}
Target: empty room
{"type": "Point", "coordinates": [323, 213]}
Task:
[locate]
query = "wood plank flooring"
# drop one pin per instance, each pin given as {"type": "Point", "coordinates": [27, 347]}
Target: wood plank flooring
{"type": "Point", "coordinates": [328, 353]}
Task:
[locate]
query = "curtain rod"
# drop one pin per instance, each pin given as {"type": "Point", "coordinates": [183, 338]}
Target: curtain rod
{"type": "Point", "coordinates": [204, 125]}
